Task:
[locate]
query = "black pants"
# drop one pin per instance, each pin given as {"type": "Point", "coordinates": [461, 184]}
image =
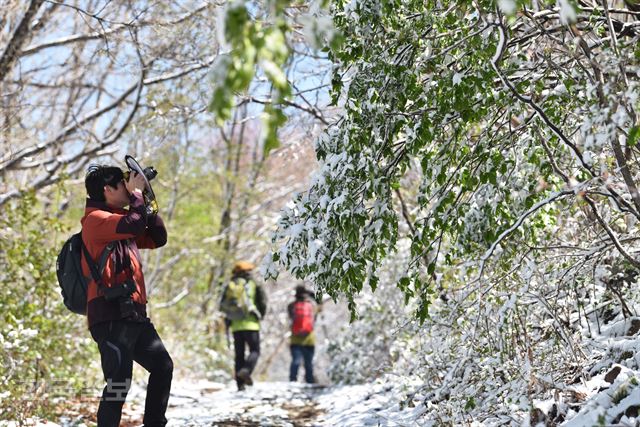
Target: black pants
{"type": "Point", "coordinates": [120, 343]}
{"type": "Point", "coordinates": [240, 340]}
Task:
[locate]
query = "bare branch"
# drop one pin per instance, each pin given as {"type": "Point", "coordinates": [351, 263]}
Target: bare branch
{"type": "Point", "coordinates": [30, 50]}
{"type": "Point", "coordinates": [10, 161]}
{"type": "Point", "coordinates": [20, 35]}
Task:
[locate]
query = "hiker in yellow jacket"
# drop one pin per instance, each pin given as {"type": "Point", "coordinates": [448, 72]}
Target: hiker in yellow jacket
{"type": "Point", "coordinates": [244, 304]}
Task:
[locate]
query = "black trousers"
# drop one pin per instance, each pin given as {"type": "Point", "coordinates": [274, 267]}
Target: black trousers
{"type": "Point", "coordinates": [121, 343]}
{"type": "Point", "coordinates": [241, 339]}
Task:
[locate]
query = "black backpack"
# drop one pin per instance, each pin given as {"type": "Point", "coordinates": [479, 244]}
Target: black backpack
{"type": "Point", "coordinates": [73, 283]}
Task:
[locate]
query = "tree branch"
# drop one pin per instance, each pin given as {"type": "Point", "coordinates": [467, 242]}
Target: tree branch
{"type": "Point", "coordinates": [30, 50]}
{"type": "Point", "coordinates": [11, 161]}
{"type": "Point", "coordinates": [20, 35]}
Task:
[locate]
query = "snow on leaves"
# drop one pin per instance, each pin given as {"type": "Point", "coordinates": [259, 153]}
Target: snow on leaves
{"type": "Point", "coordinates": [463, 130]}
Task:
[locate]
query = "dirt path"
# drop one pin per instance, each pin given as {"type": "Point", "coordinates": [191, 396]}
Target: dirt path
{"type": "Point", "coordinates": [273, 404]}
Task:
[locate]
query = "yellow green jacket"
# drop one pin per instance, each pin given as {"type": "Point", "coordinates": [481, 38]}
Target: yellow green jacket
{"type": "Point", "coordinates": [251, 322]}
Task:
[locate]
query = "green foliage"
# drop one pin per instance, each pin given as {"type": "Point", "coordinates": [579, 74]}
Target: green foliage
{"type": "Point", "coordinates": [471, 403]}
{"type": "Point", "coordinates": [429, 117]}
{"type": "Point", "coordinates": [184, 266]}
{"type": "Point", "coordinates": [391, 123]}
{"type": "Point", "coordinates": [254, 44]}
{"type": "Point", "coordinates": [634, 133]}
{"type": "Point", "coordinates": [621, 392]}
{"type": "Point", "coordinates": [40, 351]}
{"type": "Point", "coordinates": [602, 421]}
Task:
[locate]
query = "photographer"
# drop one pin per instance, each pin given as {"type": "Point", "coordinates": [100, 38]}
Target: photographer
{"type": "Point", "coordinates": [116, 304]}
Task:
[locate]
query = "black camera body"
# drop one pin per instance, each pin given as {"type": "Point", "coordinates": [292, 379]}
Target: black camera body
{"type": "Point", "coordinates": [122, 293]}
{"type": "Point", "coordinates": [149, 172]}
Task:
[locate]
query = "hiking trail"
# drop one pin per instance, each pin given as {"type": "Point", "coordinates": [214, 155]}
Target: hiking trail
{"type": "Point", "coordinates": [206, 403]}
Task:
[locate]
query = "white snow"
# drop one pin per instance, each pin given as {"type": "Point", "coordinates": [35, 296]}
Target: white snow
{"type": "Point", "coordinates": [507, 6]}
{"type": "Point", "coordinates": [567, 12]}
{"type": "Point", "coordinates": [207, 403]}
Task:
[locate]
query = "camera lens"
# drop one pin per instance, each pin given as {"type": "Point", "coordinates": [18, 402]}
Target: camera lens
{"type": "Point", "coordinates": [150, 172]}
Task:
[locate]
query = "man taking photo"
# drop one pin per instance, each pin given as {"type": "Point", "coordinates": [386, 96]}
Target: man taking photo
{"type": "Point", "coordinates": [116, 303]}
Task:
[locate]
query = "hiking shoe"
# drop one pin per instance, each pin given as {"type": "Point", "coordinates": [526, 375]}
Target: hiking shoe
{"type": "Point", "coordinates": [245, 376]}
{"type": "Point", "coordinates": [241, 387]}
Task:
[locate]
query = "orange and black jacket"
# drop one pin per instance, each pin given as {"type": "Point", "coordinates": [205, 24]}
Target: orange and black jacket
{"type": "Point", "coordinates": [129, 230]}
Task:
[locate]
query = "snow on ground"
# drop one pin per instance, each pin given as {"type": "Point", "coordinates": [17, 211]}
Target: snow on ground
{"type": "Point", "coordinates": [211, 404]}
{"type": "Point", "coordinates": [206, 403]}
{"type": "Point", "coordinates": [366, 405]}
{"type": "Point", "coordinates": [289, 404]}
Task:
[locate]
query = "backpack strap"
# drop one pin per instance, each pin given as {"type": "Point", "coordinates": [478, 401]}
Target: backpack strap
{"type": "Point", "coordinates": [97, 270]}
{"type": "Point", "coordinates": [251, 301]}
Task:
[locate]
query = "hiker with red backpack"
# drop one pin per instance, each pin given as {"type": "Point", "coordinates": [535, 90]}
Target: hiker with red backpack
{"type": "Point", "coordinates": [303, 340]}
{"type": "Point", "coordinates": [116, 294]}
{"type": "Point", "coordinates": [244, 304]}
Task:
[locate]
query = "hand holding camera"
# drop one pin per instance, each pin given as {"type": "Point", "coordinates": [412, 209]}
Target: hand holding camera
{"type": "Point", "coordinates": [137, 179]}
{"type": "Point", "coordinates": [135, 183]}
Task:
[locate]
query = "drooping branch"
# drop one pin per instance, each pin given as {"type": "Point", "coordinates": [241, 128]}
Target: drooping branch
{"type": "Point", "coordinates": [489, 253]}
{"type": "Point", "coordinates": [529, 101]}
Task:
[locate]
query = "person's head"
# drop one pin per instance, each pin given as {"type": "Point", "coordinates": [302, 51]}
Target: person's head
{"type": "Point", "coordinates": [301, 292]}
{"type": "Point", "coordinates": [106, 184]}
{"type": "Point", "coordinates": [242, 268]}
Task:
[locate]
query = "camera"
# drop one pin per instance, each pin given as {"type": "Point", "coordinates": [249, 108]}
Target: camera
{"type": "Point", "coordinates": [127, 309]}
{"type": "Point", "coordinates": [149, 172]}
{"type": "Point", "coordinates": [118, 291]}
{"type": "Point", "coordinates": [122, 293]}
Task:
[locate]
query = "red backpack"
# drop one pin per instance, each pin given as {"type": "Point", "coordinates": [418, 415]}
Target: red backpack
{"type": "Point", "coordinates": [302, 318]}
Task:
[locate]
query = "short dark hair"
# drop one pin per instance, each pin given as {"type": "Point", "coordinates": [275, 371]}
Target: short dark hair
{"type": "Point", "coordinates": [98, 176]}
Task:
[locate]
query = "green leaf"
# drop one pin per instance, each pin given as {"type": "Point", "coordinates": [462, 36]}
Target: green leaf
{"type": "Point", "coordinates": [272, 119]}
{"type": "Point", "coordinates": [632, 140]}
{"type": "Point", "coordinates": [275, 75]}
{"type": "Point", "coordinates": [471, 403]}
{"type": "Point", "coordinates": [236, 20]}
{"type": "Point", "coordinates": [373, 282]}
{"type": "Point", "coordinates": [431, 268]}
